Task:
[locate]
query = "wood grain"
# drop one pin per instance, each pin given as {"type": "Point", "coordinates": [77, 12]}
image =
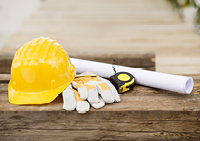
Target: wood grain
{"type": "Point", "coordinates": [127, 125]}
{"type": "Point", "coordinates": [140, 98]}
{"type": "Point", "coordinates": [143, 114]}
{"type": "Point", "coordinates": [5, 62]}
{"type": "Point", "coordinates": [138, 59]}
{"type": "Point", "coordinates": [4, 78]}
{"type": "Point", "coordinates": [105, 28]}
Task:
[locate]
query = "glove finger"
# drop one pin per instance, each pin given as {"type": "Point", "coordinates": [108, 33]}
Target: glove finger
{"type": "Point", "coordinates": [112, 89]}
{"type": "Point", "coordinates": [82, 90]}
{"type": "Point", "coordinates": [69, 100]}
{"type": "Point", "coordinates": [105, 92]}
{"type": "Point", "coordinates": [93, 94]}
{"type": "Point", "coordinates": [82, 106]}
{"type": "Point", "coordinates": [98, 105]}
{"type": "Point", "coordinates": [74, 84]}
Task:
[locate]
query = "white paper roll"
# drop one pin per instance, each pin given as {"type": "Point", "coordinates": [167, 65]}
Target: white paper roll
{"type": "Point", "coordinates": [176, 83]}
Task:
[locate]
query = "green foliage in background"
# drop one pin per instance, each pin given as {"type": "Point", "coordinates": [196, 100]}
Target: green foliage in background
{"type": "Point", "coordinates": [197, 21]}
{"type": "Point", "coordinates": [179, 5]}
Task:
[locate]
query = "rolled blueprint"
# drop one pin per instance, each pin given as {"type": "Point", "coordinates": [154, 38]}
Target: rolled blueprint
{"type": "Point", "coordinates": [176, 83]}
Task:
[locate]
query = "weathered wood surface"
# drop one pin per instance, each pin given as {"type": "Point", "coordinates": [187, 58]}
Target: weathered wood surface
{"type": "Point", "coordinates": [127, 125]}
{"type": "Point", "coordinates": [92, 26]}
{"type": "Point", "coordinates": [115, 25]}
{"type": "Point", "coordinates": [139, 59]}
{"type": "Point", "coordinates": [5, 62]}
{"type": "Point", "coordinates": [143, 114]}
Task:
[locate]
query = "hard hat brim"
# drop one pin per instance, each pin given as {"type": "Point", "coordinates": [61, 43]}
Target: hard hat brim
{"type": "Point", "coordinates": [20, 98]}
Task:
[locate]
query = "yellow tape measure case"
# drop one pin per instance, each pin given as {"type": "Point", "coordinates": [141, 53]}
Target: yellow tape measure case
{"type": "Point", "coordinates": [123, 81]}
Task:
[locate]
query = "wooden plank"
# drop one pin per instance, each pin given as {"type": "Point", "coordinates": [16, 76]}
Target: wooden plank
{"type": "Point", "coordinates": [141, 98]}
{"type": "Point", "coordinates": [139, 59]}
{"type": "Point", "coordinates": [138, 90]}
{"type": "Point", "coordinates": [149, 102]}
{"type": "Point", "coordinates": [143, 114]}
{"type": "Point", "coordinates": [130, 125]}
{"type": "Point", "coordinates": [3, 89]}
{"type": "Point", "coordinates": [110, 25]}
{"type": "Point", "coordinates": [4, 78]}
{"type": "Point", "coordinates": [5, 62]}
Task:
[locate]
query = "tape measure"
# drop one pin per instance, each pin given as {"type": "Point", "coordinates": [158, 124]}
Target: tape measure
{"type": "Point", "coordinates": [123, 81]}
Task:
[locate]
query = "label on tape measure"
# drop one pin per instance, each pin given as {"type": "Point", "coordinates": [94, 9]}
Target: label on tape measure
{"type": "Point", "coordinates": [123, 77]}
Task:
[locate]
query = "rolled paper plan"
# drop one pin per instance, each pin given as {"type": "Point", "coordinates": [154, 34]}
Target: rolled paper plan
{"type": "Point", "coordinates": [170, 82]}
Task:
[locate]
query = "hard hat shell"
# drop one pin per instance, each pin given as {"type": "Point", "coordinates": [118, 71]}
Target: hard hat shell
{"type": "Point", "coordinates": [40, 71]}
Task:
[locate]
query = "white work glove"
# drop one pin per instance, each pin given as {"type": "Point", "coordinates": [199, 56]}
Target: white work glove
{"type": "Point", "coordinates": [72, 100]}
{"type": "Point", "coordinates": [95, 89]}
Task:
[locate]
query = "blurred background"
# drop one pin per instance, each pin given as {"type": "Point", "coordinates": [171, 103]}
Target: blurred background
{"type": "Point", "coordinates": [169, 28]}
{"type": "Point", "coordinates": [189, 11]}
{"type": "Point", "coordinates": [12, 15]}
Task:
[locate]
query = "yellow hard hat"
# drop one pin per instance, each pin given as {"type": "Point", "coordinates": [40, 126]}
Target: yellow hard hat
{"type": "Point", "coordinates": [40, 71]}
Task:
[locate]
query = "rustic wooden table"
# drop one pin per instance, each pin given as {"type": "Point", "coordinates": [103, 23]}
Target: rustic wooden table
{"type": "Point", "coordinates": [84, 29]}
{"type": "Point", "coordinates": [143, 114]}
